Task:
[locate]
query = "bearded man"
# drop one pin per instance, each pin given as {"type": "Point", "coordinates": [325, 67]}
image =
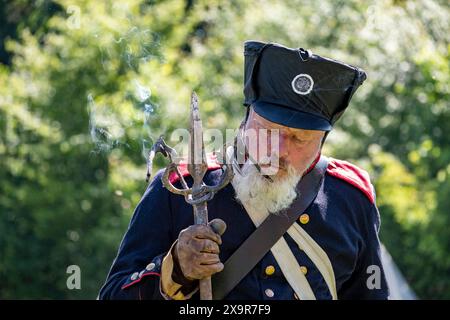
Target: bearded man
{"type": "Point", "coordinates": [329, 250]}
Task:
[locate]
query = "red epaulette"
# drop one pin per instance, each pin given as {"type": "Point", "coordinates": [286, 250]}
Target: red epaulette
{"type": "Point", "coordinates": [211, 160]}
{"type": "Point", "coordinates": [350, 173]}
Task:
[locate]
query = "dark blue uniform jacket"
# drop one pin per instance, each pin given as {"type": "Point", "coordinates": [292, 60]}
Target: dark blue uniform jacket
{"type": "Point", "coordinates": [343, 220]}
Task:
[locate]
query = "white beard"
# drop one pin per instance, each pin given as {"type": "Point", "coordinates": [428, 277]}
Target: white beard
{"type": "Point", "coordinates": [262, 195]}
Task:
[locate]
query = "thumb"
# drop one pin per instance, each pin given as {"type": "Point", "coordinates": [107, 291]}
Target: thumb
{"type": "Point", "coordinates": [218, 225]}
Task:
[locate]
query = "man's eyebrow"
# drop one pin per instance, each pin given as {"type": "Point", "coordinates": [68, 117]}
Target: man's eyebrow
{"type": "Point", "coordinates": [304, 136]}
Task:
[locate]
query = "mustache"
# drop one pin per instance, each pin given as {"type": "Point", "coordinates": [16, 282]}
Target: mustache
{"type": "Point", "coordinates": [271, 173]}
{"type": "Point", "coordinates": [284, 166]}
{"type": "Point", "coordinates": [270, 194]}
{"type": "Point", "coordinates": [273, 159]}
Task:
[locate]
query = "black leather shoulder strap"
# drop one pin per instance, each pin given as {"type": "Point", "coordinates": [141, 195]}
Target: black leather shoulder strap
{"type": "Point", "coordinates": [267, 234]}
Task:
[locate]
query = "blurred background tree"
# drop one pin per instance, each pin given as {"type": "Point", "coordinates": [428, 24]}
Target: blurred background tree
{"type": "Point", "coordinates": [87, 86]}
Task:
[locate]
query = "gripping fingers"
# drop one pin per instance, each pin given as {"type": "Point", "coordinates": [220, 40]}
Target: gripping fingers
{"type": "Point", "coordinates": [208, 246]}
{"type": "Point", "coordinates": [208, 259]}
{"type": "Point", "coordinates": [206, 232]}
{"type": "Point", "coordinates": [208, 270]}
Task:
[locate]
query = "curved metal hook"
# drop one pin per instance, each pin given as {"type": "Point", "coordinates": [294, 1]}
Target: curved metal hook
{"type": "Point", "coordinates": [172, 167]}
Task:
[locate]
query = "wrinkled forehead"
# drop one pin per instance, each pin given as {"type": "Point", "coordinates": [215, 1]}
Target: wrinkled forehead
{"type": "Point", "coordinates": [256, 121]}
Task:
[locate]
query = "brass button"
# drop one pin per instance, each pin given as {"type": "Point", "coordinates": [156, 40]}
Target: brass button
{"type": "Point", "coordinates": [270, 270]}
{"type": "Point", "coordinates": [269, 293]}
{"type": "Point", "coordinates": [141, 273]}
{"type": "Point", "coordinates": [304, 270]}
{"type": "Point", "coordinates": [150, 266]}
{"type": "Point", "coordinates": [304, 218]}
{"type": "Point", "coordinates": [134, 276]}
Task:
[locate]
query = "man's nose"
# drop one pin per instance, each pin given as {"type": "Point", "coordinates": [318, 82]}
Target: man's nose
{"type": "Point", "coordinates": [274, 143]}
{"type": "Point", "coordinates": [277, 146]}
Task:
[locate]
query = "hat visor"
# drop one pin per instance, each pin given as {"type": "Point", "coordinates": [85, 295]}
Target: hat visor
{"type": "Point", "coordinates": [290, 117]}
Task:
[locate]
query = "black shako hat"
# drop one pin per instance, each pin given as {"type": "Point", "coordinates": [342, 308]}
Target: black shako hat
{"type": "Point", "coordinates": [296, 88]}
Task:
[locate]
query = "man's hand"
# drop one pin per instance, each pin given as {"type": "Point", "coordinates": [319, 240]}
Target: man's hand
{"type": "Point", "coordinates": [197, 250]}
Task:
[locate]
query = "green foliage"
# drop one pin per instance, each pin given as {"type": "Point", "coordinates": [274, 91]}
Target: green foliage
{"type": "Point", "coordinates": [86, 89]}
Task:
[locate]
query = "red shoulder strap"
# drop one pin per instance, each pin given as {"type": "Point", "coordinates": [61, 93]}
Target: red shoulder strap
{"type": "Point", "coordinates": [211, 159]}
{"type": "Point", "coordinates": [351, 174]}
